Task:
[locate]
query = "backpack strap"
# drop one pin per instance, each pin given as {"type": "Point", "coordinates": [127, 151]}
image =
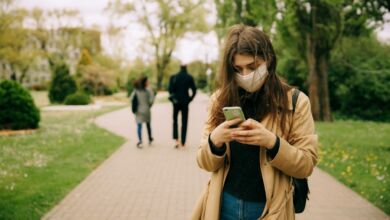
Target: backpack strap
{"type": "Point", "coordinates": [295, 99]}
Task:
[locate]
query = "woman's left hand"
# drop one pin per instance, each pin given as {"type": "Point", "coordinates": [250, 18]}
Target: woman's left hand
{"type": "Point", "coordinates": [254, 133]}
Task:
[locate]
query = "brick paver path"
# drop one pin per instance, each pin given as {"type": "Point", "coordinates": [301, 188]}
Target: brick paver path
{"type": "Point", "coordinates": [159, 182]}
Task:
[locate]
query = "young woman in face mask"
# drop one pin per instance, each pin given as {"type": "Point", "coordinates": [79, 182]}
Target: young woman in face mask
{"type": "Point", "coordinates": [252, 161]}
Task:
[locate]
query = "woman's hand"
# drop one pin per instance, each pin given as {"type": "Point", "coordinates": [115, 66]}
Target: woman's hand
{"type": "Point", "coordinates": [254, 133]}
{"type": "Point", "coordinates": [223, 133]}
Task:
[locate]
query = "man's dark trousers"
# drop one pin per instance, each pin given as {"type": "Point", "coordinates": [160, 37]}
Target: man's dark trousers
{"type": "Point", "coordinates": [183, 108]}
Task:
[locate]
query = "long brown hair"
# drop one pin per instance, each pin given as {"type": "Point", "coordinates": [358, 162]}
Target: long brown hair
{"type": "Point", "coordinates": [140, 83]}
{"type": "Point", "coordinates": [271, 98]}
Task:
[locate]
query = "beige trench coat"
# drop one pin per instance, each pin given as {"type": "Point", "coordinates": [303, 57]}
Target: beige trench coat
{"type": "Point", "coordinates": [297, 156]}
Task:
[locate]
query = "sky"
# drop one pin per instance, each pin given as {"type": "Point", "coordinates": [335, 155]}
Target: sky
{"type": "Point", "coordinates": [192, 47]}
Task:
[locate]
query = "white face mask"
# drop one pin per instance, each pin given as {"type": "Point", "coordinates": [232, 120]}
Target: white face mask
{"type": "Point", "coordinates": [254, 80]}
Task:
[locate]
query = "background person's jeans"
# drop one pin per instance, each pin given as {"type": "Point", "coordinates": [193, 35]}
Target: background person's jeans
{"type": "Point", "coordinates": [139, 131]}
{"type": "Point", "coordinates": [183, 108]}
{"type": "Point", "coordinates": [237, 209]}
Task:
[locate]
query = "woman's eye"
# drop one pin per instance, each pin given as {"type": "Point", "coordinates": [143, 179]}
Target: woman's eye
{"type": "Point", "coordinates": [251, 68]}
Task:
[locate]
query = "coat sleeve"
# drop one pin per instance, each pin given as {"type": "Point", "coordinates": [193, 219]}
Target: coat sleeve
{"type": "Point", "coordinates": [132, 96]}
{"type": "Point", "coordinates": [151, 96]}
{"type": "Point", "coordinates": [297, 157]}
{"type": "Point", "coordinates": [205, 158]}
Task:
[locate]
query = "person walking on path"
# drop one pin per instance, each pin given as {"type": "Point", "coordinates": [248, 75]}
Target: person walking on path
{"type": "Point", "coordinates": [253, 161]}
{"type": "Point", "coordinates": [179, 85]}
{"type": "Point", "coordinates": [142, 99]}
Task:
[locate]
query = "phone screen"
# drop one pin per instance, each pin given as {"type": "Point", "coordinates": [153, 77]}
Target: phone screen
{"type": "Point", "coordinates": [233, 112]}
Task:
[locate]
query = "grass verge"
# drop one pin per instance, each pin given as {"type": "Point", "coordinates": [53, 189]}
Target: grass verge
{"type": "Point", "coordinates": [357, 153]}
{"type": "Point", "coordinates": [38, 170]}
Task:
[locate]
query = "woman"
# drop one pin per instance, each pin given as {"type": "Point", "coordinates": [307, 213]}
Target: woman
{"type": "Point", "coordinates": [252, 162]}
{"type": "Point", "coordinates": [145, 98]}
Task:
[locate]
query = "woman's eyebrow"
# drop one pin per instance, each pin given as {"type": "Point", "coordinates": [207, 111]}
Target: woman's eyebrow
{"type": "Point", "coordinates": [253, 62]}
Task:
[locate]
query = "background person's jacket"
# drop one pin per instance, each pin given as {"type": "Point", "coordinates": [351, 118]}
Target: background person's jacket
{"type": "Point", "coordinates": [179, 84]}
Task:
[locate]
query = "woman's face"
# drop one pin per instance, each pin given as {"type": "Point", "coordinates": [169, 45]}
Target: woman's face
{"type": "Point", "coordinates": [245, 64]}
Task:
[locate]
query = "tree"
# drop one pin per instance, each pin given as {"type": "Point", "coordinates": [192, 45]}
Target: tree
{"type": "Point", "coordinates": [250, 12]}
{"type": "Point", "coordinates": [18, 110]}
{"type": "Point", "coordinates": [62, 84]}
{"type": "Point", "coordinates": [97, 80]}
{"type": "Point", "coordinates": [360, 89]}
{"type": "Point", "coordinates": [13, 38]}
{"type": "Point", "coordinates": [169, 22]}
{"type": "Point", "coordinates": [55, 32]}
{"type": "Point", "coordinates": [315, 26]}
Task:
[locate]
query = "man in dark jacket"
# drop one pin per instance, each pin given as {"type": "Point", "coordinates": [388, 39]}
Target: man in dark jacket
{"type": "Point", "coordinates": [179, 84]}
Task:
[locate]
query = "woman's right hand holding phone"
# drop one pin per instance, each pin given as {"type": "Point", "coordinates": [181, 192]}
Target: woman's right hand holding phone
{"type": "Point", "coordinates": [222, 133]}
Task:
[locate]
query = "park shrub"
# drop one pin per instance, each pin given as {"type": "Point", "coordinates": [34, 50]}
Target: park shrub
{"type": "Point", "coordinates": [97, 80]}
{"type": "Point", "coordinates": [18, 110]}
{"type": "Point", "coordinates": [78, 98]}
{"type": "Point", "coordinates": [359, 79]}
{"type": "Point", "coordinates": [62, 84]}
{"type": "Point", "coordinates": [130, 86]}
{"type": "Point", "coordinates": [201, 81]}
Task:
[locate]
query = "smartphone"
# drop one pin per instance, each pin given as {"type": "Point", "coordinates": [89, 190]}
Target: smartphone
{"type": "Point", "coordinates": [233, 112]}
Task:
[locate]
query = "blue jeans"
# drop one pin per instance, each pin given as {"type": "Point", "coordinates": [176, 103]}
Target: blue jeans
{"type": "Point", "coordinates": [237, 209]}
{"type": "Point", "coordinates": [139, 131]}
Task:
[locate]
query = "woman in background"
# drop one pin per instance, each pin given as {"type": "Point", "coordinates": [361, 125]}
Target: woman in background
{"type": "Point", "coordinates": [145, 99]}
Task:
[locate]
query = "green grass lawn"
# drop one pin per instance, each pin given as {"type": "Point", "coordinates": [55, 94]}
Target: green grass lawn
{"type": "Point", "coordinates": [38, 170]}
{"type": "Point", "coordinates": [40, 98]}
{"type": "Point", "coordinates": [358, 154]}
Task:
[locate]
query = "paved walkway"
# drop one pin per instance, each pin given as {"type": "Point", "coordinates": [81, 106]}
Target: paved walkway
{"type": "Point", "coordinates": [159, 182]}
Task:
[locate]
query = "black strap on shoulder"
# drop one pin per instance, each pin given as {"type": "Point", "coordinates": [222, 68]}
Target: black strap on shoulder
{"type": "Point", "coordinates": [295, 98]}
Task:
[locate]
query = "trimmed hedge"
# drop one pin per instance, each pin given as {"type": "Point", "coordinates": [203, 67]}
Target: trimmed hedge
{"type": "Point", "coordinates": [78, 98]}
{"type": "Point", "coordinates": [62, 85]}
{"type": "Point", "coordinates": [18, 110]}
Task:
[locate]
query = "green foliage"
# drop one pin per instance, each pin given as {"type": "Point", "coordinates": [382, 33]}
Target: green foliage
{"type": "Point", "coordinates": [310, 30]}
{"type": "Point", "coordinates": [176, 18]}
{"type": "Point", "coordinates": [198, 70]}
{"type": "Point", "coordinates": [78, 98]}
{"type": "Point", "coordinates": [90, 40]}
{"type": "Point", "coordinates": [130, 86]}
{"type": "Point", "coordinates": [201, 81]}
{"type": "Point", "coordinates": [359, 79]}
{"type": "Point", "coordinates": [62, 84]}
{"type": "Point", "coordinates": [13, 40]}
{"type": "Point", "coordinates": [97, 80]}
{"type": "Point", "coordinates": [40, 169]}
{"type": "Point", "coordinates": [291, 67]}
{"type": "Point", "coordinates": [357, 153]}
{"type": "Point", "coordinates": [250, 12]}
{"type": "Point", "coordinates": [85, 58]}
{"type": "Point", "coordinates": [114, 64]}
{"type": "Point", "coordinates": [18, 110]}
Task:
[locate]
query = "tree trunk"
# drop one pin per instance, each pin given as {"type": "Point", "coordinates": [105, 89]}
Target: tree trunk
{"type": "Point", "coordinates": [325, 111]}
{"type": "Point", "coordinates": [159, 80]}
{"type": "Point", "coordinates": [160, 75]}
{"type": "Point", "coordinates": [313, 78]}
